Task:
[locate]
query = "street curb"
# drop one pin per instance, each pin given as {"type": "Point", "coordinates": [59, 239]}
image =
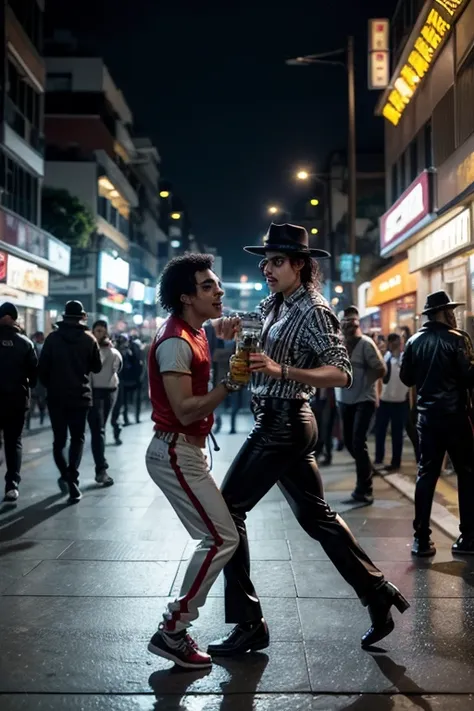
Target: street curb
{"type": "Point", "coordinates": [442, 518]}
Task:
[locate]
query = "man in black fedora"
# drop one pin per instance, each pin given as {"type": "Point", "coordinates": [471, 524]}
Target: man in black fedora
{"type": "Point", "coordinates": [69, 355]}
{"type": "Point", "coordinates": [439, 362]}
{"type": "Point", "coordinates": [303, 351]}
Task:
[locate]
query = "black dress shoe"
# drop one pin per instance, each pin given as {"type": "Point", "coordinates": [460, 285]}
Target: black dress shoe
{"type": "Point", "coordinates": [362, 498]}
{"type": "Point", "coordinates": [464, 546]}
{"type": "Point", "coordinates": [248, 637]}
{"type": "Point", "coordinates": [423, 548]}
{"type": "Point", "coordinates": [379, 605]}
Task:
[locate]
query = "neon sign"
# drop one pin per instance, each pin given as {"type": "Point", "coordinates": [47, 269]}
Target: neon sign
{"type": "Point", "coordinates": [425, 49]}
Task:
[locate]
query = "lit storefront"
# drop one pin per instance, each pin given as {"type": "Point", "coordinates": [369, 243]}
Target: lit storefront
{"type": "Point", "coordinates": [394, 293]}
{"type": "Point", "coordinates": [113, 280]}
{"type": "Point", "coordinates": [443, 260]}
{"type": "Point", "coordinates": [28, 255]}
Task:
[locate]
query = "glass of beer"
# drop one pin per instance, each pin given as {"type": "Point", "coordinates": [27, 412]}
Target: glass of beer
{"type": "Point", "coordinates": [248, 340]}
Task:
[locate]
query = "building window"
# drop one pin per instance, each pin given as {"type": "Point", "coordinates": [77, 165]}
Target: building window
{"type": "Point", "coordinates": [395, 193]}
{"type": "Point", "coordinates": [19, 189]}
{"type": "Point", "coordinates": [30, 16]}
{"type": "Point", "coordinates": [59, 82]}
{"type": "Point", "coordinates": [24, 108]}
{"type": "Point", "coordinates": [444, 137]}
{"type": "Point", "coordinates": [428, 141]}
{"type": "Point", "coordinates": [465, 101]}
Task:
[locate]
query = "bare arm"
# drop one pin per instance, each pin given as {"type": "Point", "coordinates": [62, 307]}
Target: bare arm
{"type": "Point", "coordinates": [327, 376]}
{"type": "Point", "coordinates": [187, 407]}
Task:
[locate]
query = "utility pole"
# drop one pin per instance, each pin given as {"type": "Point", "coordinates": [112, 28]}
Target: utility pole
{"type": "Point", "coordinates": [351, 159]}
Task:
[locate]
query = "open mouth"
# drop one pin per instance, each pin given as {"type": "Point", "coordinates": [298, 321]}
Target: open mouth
{"type": "Point", "coordinates": [217, 305]}
{"type": "Point", "coordinates": [271, 281]}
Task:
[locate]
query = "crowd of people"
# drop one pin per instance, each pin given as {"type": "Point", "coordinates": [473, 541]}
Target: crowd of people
{"type": "Point", "coordinates": [306, 363]}
{"type": "Point", "coordinates": [77, 377]}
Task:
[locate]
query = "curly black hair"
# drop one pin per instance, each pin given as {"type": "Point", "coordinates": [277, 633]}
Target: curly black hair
{"type": "Point", "coordinates": [179, 277]}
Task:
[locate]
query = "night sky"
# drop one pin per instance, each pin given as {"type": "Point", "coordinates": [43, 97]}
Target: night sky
{"type": "Point", "coordinates": [208, 83]}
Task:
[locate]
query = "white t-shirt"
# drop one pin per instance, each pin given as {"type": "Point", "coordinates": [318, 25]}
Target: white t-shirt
{"type": "Point", "coordinates": [174, 356]}
{"type": "Point", "coordinates": [394, 390]}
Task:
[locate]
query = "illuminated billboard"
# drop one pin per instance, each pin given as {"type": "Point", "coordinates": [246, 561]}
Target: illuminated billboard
{"type": "Point", "coordinates": [422, 55]}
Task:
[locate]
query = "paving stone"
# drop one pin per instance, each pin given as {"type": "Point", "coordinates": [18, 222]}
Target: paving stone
{"type": "Point", "coordinates": [115, 550]}
{"type": "Point", "coordinates": [26, 549]}
{"type": "Point", "coordinates": [13, 570]}
{"type": "Point", "coordinates": [92, 578]}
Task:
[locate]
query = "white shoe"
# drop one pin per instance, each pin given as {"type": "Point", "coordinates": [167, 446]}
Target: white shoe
{"type": "Point", "coordinates": [11, 495]}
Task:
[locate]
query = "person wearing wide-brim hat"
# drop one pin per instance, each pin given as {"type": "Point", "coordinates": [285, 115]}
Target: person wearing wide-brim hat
{"type": "Point", "coordinates": [439, 362]}
{"type": "Point", "coordinates": [303, 351]}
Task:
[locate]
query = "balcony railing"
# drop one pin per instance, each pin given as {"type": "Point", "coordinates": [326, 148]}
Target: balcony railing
{"type": "Point", "coordinates": [23, 127]}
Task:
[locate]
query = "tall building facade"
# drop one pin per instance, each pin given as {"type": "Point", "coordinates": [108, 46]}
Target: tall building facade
{"type": "Point", "coordinates": [93, 154]}
{"type": "Point", "coordinates": [429, 149]}
{"type": "Point", "coordinates": [29, 256]}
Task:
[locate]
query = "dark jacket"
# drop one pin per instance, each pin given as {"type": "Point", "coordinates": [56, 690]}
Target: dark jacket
{"type": "Point", "coordinates": [18, 368]}
{"type": "Point", "coordinates": [439, 362]}
{"type": "Point", "coordinates": [132, 369]}
{"type": "Point", "coordinates": [69, 354]}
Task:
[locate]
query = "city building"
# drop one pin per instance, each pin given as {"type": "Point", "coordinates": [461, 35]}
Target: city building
{"type": "Point", "coordinates": [93, 154]}
{"type": "Point", "coordinates": [29, 256]}
{"type": "Point", "coordinates": [429, 150]}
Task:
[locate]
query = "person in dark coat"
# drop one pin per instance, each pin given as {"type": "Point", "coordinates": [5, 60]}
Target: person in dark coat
{"type": "Point", "coordinates": [439, 362]}
{"type": "Point", "coordinates": [18, 372]}
{"type": "Point", "coordinates": [69, 355]}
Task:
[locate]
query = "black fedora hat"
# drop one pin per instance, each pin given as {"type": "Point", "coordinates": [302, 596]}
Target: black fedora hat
{"type": "Point", "coordinates": [439, 300]}
{"type": "Point", "coordinates": [74, 309]}
{"type": "Point", "coordinates": [291, 239]}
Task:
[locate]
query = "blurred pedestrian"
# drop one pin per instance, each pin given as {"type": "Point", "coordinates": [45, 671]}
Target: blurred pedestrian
{"type": "Point", "coordinates": [69, 355]}
{"type": "Point", "coordinates": [38, 393]}
{"type": "Point", "coordinates": [358, 404]}
{"type": "Point", "coordinates": [104, 392]}
{"type": "Point", "coordinates": [393, 408]}
{"type": "Point", "coordinates": [325, 410]}
{"type": "Point", "coordinates": [18, 373]}
{"type": "Point", "coordinates": [130, 384]}
{"type": "Point", "coordinates": [439, 362]}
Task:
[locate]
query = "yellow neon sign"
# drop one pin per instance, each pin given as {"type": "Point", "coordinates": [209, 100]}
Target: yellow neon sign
{"type": "Point", "coordinates": [421, 57]}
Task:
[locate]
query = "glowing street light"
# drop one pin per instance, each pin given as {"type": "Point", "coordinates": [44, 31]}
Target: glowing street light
{"type": "Point", "coordinates": [314, 202]}
{"type": "Point", "coordinates": [314, 230]}
{"type": "Point", "coordinates": [175, 215]}
{"type": "Point", "coordinates": [339, 289]}
{"type": "Point", "coordinates": [273, 210]}
{"type": "Point", "coordinates": [175, 243]}
{"type": "Point", "coordinates": [302, 175]}
{"type": "Point", "coordinates": [164, 194]}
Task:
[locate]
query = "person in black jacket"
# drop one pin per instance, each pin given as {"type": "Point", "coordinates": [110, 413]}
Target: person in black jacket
{"type": "Point", "coordinates": [18, 371]}
{"type": "Point", "coordinates": [69, 355]}
{"type": "Point", "coordinates": [439, 362]}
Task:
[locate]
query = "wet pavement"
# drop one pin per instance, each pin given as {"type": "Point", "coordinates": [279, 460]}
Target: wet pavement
{"type": "Point", "coordinates": [82, 590]}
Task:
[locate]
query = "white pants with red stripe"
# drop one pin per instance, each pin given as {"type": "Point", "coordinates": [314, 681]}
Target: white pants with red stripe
{"type": "Point", "coordinates": [180, 470]}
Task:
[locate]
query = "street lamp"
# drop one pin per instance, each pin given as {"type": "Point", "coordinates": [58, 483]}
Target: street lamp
{"type": "Point", "coordinates": [164, 194]}
{"type": "Point", "coordinates": [175, 215]}
{"type": "Point", "coordinates": [314, 202]}
{"type": "Point", "coordinates": [314, 230]}
{"type": "Point", "coordinates": [302, 175]}
{"type": "Point", "coordinates": [273, 210]}
{"type": "Point", "coordinates": [326, 58]}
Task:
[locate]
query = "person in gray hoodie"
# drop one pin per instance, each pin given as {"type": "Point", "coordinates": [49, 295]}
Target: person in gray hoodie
{"type": "Point", "coordinates": [104, 393]}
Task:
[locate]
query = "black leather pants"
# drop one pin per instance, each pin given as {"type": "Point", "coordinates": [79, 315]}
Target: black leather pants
{"type": "Point", "coordinates": [280, 449]}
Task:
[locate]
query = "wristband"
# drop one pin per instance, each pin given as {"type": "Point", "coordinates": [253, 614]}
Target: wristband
{"type": "Point", "coordinates": [230, 385]}
{"type": "Point", "coordinates": [285, 371]}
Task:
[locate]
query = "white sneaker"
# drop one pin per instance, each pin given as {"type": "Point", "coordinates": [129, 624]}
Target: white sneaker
{"type": "Point", "coordinates": [11, 495]}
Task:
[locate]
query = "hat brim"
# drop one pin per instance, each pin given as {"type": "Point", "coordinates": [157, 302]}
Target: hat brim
{"type": "Point", "coordinates": [287, 249]}
{"type": "Point", "coordinates": [450, 305]}
{"type": "Point", "coordinates": [80, 317]}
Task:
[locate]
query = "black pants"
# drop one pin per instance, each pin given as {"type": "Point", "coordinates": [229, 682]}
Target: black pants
{"type": "Point", "coordinates": [393, 414]}
{"type": "Point", "coordinates": [356, 421]}
{"type": "Point", "coordinates": [280, 449]}
{"type": "Point", "coordinates": [412, 432]}
{"type": "Point", "coordinates": [102, 402]}
{"type": "Point", "coordinates": [452, 434]}
{"type": "Point", "coordinates": [12, 422]}
{"type": "Point", "coordinates": [64, 419]}
{"type": "Point", "coordinates": [325, 414]}
{"type": "Point", "coordinates": [132, 395]}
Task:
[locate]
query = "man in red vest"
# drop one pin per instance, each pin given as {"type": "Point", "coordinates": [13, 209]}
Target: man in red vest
{"type": "Point", "coordinates": [179, 371]}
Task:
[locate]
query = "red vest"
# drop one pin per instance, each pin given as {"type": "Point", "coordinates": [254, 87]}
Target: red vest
{"type": "Point", "coordinates": [163, 416]}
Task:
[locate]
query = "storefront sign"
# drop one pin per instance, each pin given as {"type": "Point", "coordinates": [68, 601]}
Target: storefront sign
{"type": "Point", "coordinates": [446, 240]}
{"type": "Point", "coordinates": [392, 284]}
{"type": "Point", "coordinates": [422, 54]}
{"type": "Point", "coordinates": [150, 296]}
{"type": "Point", "coordinates": [71, 287]}
{"type": "Point", "coordinates": [59, 256]}
{"type": "Point", "coordinates": [409, 209]}
{"type": "Point", "coordinates": [3, 267]}
{"type": "Point", "coordinates": [379, 55]}
{"type": "Point", "coordinates": [136, 291]}
{"type": "Point", "coordinates": [113, 274]}
{"type": "Point", "coordinates": [26, 276]}
{"type": "Point", "coordinates": [33, 243]}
